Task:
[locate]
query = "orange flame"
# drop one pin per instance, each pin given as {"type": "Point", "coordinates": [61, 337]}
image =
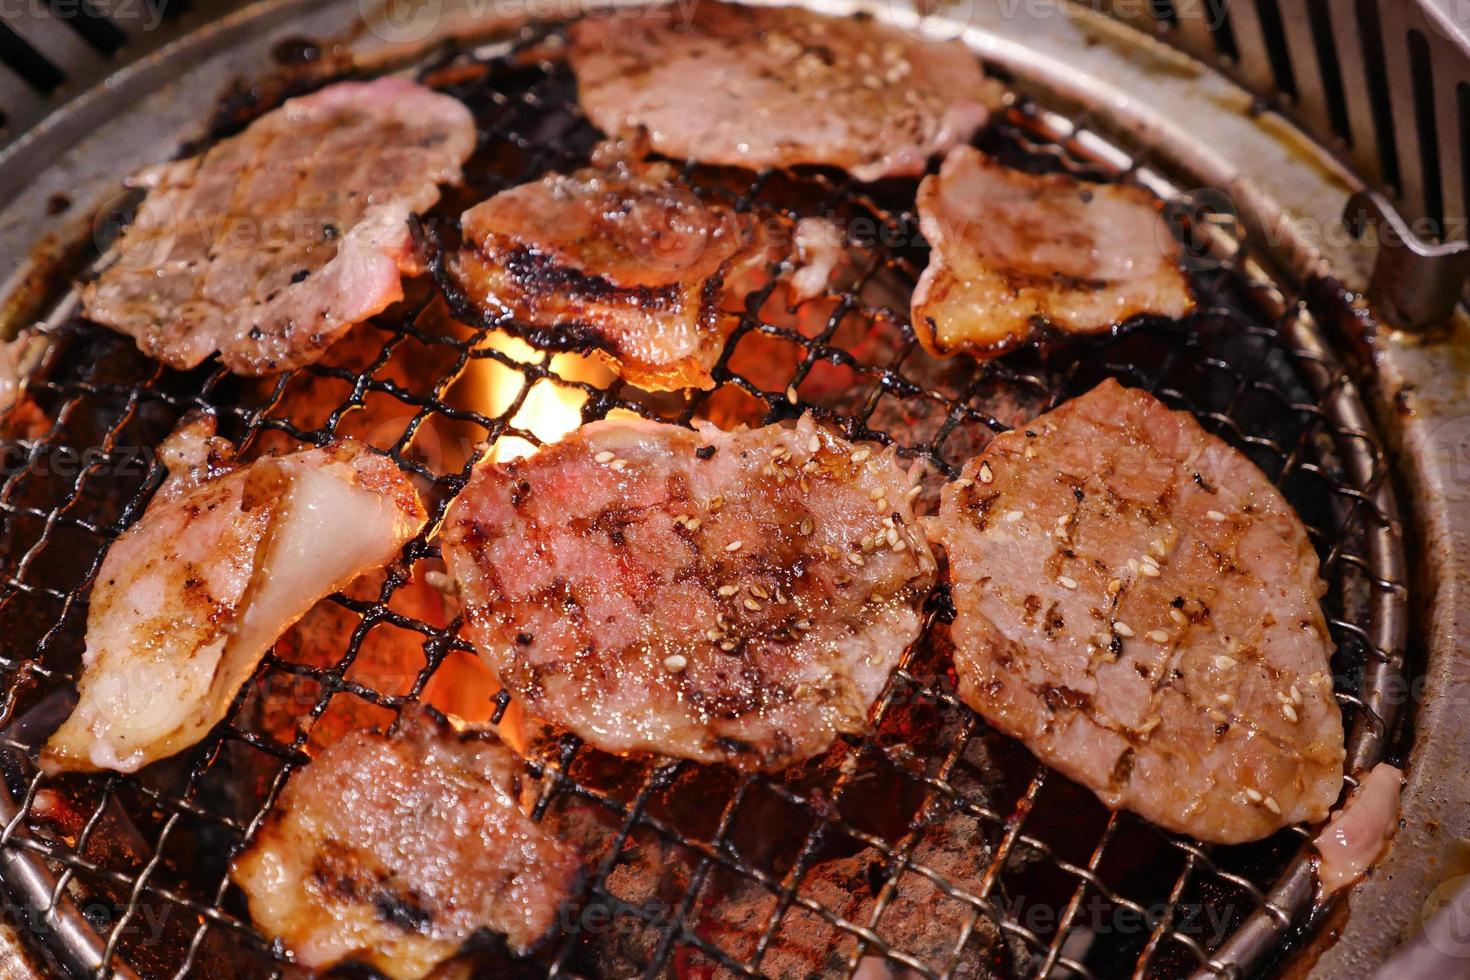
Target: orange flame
{"type": "Point", "coordinates": [551, 409]}
{"type": "Point", "coordinates": [463, 686]}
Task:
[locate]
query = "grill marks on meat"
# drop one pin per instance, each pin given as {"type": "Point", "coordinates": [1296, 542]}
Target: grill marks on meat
{"type": "Point", "coordinates": [726, 597]}
{"type": "Point", "coordinates": [224, 559]}
{"type": "Point", "coordinates": [622, 258]}
{"type": "Point", "coordinates": [393, 850]}
{"type": "Point", "coordinates": [1013, 253]}
{"type": "Point", "coordinates": [777, 86]}
{"type": "Point", "coordinates": [1140, 606]}
{"type": "Point", "coordinates": [271, 244]}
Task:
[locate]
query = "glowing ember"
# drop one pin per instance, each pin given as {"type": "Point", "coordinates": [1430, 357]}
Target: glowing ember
{"type": "Point", "coordinates": [464, 688]}
{"type": "Point", "coordinates": [550, 409]}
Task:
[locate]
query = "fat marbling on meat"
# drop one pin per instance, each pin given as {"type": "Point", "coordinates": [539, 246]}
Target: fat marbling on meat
{"type": "Point", "coordinates": [224, 559]}
{"type": "Point", "coordinates": [1139, 605]}
{"type": "Point", "coordinates": [736, 597]}
{"type": "Point", "coordinates": [1355, 838]}
{"type": "Point", "coordinates": [395, 849]}
{"type": "Point", "coordinates": [624, 259]}
{"type": "Point", "coordinates": [268, 246]}
{"type": "Point", "coordinates": [1013, 253]}
{"type": "Point", "coordinates": [759, 86]}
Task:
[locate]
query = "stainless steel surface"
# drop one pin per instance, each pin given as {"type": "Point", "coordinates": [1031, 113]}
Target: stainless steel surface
{"type": "Point", "coordinates": [82, 45]}
{"type": "Point", "coordinates": [1422, 387]}
{"type": "Point", "coordinates": [1415, 283]}
{"type": "Point", "coordinates": [1383, 84]}
{"type": "Point", "coordinates": [1194, 126]}
{"type": "Point", "coordinates": [51, 916]}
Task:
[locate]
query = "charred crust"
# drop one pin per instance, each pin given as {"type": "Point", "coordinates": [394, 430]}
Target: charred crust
{"type": "Point", "coordinates": [1122, 769]}
{"type": "Point", "coordinates": [472, 534]}
{"type": "Point", "coordinates": [613, 522]}
{"type": "Point", "coordinates": [539, 274]}
{"type": "Point", "coordinates": [734, 746]}
{"type": "Point", "coordinates": [336, 873]}
{"type": "Point", "coordinates": [709, 296]}
{"type": "Point", "coordinates": [1041, 333]}
{"type": "Point", "coordinates": [1054, 624]}
{"type": "Point", "coordinates": [1059, 697]}
{"type": "Point", "coordinates": [402, 911]}
{"type": "Point", "coordinates": [979, 506]}
{"type": "Point", "coordinates": [569, 336]}
{"type": "Point", "coordinates": [1032, 605]}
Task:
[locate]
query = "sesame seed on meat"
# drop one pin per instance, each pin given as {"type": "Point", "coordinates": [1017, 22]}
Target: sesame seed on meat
{"type": "Point", "coordinates": [1194, 703]}
{"type": "Point", "coordinates": [753, 640]}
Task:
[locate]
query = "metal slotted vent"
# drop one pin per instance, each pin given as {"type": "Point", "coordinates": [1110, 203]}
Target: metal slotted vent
{"type": "Point", "coordinates": [1382, 84]}
{"type": "Point", "coordinates": [52, 50]}
{"type": "Point", "coordinates": [932, 845]}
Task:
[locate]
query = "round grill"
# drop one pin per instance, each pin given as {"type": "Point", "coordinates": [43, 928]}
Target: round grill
{"type": "Point", "coordinates": [933, 845]}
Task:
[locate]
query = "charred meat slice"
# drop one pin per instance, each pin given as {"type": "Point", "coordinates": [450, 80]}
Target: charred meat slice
{"type": "Point", "coordinates": [224, 559]}
{"type": "Point", "coordinates": [727, 597]}
{"type": "Point", "coordinates": [1139, 605]}
{"type": "Point", "coordinates": [1013, 253]}
{"type": "Point", "coordinates": [270, 245]}
{"type": "Point", "coordinates": [756, 86]}
{"type": "Point", "coordinates": [621, 258]}
{"type": "Point", "coordinates": [393, 850]}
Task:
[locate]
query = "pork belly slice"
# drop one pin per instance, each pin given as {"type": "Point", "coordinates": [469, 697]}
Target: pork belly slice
{"type": "Point", "coordinates": [758, 86]}
{"type": "Point", "coordinates": [1016, 254]}
{"type": "Point", "coordinates": [622, 259]}
{"type": "Point", "coordinates": [1139, 605]}
{"type": "Point", "coordinates": [393, 850]}
{"type": "Point", "coordinates": [735, 597]}
{"type": "Point", "coordinates": [271, 244]}
{"type": "Point", "coordinates": [1354, 840]}
{"type": "Point", "coordinates": [225, 558]}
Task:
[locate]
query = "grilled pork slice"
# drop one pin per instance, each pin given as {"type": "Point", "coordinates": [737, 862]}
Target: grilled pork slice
{"type": "Point", "coordinates": [270, 245]}
{"type": "Point", "coordinates": [1354, 839]}
{"type": "Point", "coordinates": [727, 597]}
{"type": "Point", "coordinates": [225, 558]}
{"type": "Point", "coordinates": [393, 850]}
{"type": "Point", "coordinates": [1014, 253]}
{"type": "Point", "coordinates": [621, 258]}
{"type": "Point", "coordinates": [1140, 606]}
{"type": "Point", "coordinates": [756, 86]}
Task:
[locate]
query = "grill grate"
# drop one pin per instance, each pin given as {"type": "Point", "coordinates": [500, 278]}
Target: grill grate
{"type": "Point", "coordinates": [934, 844]}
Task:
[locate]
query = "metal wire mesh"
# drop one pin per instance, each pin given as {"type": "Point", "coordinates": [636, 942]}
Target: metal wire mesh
{"type": "Point", "coordinates": [933, 846]}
